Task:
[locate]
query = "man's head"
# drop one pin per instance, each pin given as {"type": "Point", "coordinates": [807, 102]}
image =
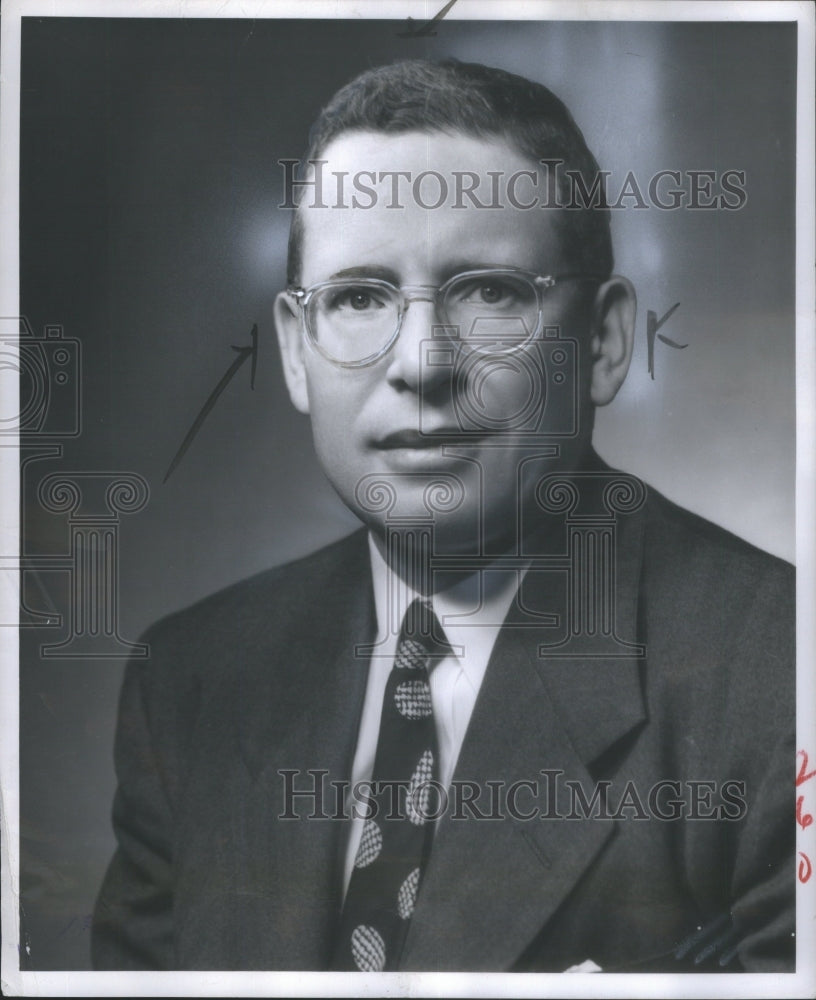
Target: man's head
{"type": "Point", "coordinates": [481, 102]}
{"type": "Point", "coordinates": [451, 404]}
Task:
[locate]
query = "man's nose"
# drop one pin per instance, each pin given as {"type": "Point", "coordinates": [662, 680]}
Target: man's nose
{"type": "Point", "coordinates": [411, 361]}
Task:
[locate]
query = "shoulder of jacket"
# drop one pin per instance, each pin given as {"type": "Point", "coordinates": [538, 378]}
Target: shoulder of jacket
{"type": "Point", "coordinates": [680, 540]}
{"type": "Point", "coordinates": [278, 590]}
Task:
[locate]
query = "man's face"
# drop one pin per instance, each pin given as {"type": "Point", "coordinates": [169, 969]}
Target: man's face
{"type": "Point", "coordinates": [401, 438]}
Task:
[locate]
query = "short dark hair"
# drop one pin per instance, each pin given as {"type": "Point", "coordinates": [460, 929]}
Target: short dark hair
{"type": "Point", "coordinates": [478, 101]}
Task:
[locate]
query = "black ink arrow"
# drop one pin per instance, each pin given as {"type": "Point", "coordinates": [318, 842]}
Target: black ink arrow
{"type": "Point", "coordinates": [243, 353]}
{"type": "Point", "coordinates": [425, 30]}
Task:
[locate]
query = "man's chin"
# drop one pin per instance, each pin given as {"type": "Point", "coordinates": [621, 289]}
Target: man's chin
{"type": "Point", "coordinates": [416, 547]}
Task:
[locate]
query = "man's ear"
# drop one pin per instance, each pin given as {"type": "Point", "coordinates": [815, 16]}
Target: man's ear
{"type": "Point", "coordinates": [613, 335]}
{"type": "Point", "coordinates": [290, 339]}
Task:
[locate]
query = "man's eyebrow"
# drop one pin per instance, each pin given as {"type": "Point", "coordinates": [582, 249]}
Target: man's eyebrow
{"type": "Point", "coordinates": [461, 266]}
{"type": "Point", "coordinates": [367, 271]}
{"type": "Point", "coordinates": [386, 274]}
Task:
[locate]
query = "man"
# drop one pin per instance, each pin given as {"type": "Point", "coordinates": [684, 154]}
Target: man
{"type": "Point", "coordinates": [534, 717]}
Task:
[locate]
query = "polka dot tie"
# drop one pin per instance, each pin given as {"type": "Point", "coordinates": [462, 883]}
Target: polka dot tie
{"type": "Point", "coordinates": [396, 838]}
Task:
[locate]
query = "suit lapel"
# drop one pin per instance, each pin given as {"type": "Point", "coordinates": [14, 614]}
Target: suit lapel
{"type": "Point", "coordinates": [307, 724]}
{"type": "Point", "coordinates": [491, 885]}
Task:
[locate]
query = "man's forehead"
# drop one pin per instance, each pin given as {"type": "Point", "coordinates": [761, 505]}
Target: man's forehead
{"type": "Point", "coordinates": [424, 198]}
{"type": "Point", "coordinates": [446, 151]}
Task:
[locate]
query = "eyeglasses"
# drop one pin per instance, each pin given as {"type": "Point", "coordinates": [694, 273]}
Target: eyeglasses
{"type": "Point", "coordinates": [355, 321]}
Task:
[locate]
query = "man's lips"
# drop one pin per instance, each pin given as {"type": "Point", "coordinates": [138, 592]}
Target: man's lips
{"type": "Point", "coordinates": [413, 439]}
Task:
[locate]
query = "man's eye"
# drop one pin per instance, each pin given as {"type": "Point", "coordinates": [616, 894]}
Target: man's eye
{"type": "Point", "coordinates": [358, 299]}
{"type": "Point", "coordinates": [487, 293]}
{"type": "Point", "coordinates": [491, 294]}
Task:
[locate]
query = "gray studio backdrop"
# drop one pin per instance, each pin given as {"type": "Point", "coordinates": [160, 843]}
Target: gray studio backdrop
{"type": "Point", "coordinates": [150, 234]}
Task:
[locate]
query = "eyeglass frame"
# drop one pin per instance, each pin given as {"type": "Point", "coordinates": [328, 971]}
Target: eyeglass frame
{"type": "Point", "coordinates": [540, 282]}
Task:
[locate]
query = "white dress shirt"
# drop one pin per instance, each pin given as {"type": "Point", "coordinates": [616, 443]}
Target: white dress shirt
{"type": "Point", "coordinates": [471, 613]}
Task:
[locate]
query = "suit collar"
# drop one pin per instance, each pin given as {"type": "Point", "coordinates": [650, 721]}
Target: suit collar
{"type": "Point", "coordinates": [598, 688]}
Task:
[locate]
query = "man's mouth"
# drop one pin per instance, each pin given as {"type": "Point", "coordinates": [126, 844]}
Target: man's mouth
{"type": "Point", "coordinates": [426, 440]}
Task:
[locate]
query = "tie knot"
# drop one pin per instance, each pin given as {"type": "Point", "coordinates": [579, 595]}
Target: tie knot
{"type": "Point", "coordinates": [421, 632]}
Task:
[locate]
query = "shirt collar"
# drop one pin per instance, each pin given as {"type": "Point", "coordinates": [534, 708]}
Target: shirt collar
{"type": "Point", "coordinates": [471, 611]}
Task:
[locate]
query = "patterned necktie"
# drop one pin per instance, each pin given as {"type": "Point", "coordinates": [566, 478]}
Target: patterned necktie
{"type": "Point", "coordinates": [396, 841]}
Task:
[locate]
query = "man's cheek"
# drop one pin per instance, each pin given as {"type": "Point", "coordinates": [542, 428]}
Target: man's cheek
{"type": "Point", "coordinates": [338, 447]}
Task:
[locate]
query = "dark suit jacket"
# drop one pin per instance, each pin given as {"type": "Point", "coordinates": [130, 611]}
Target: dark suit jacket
{"type": "Point", "coordinates": [263, 677]}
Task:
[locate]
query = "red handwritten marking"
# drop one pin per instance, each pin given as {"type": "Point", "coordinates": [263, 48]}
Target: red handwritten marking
{"type": "Point", "coordinates": [802, 777]}
{"type": "Point", "coordinates": [802, 818]}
